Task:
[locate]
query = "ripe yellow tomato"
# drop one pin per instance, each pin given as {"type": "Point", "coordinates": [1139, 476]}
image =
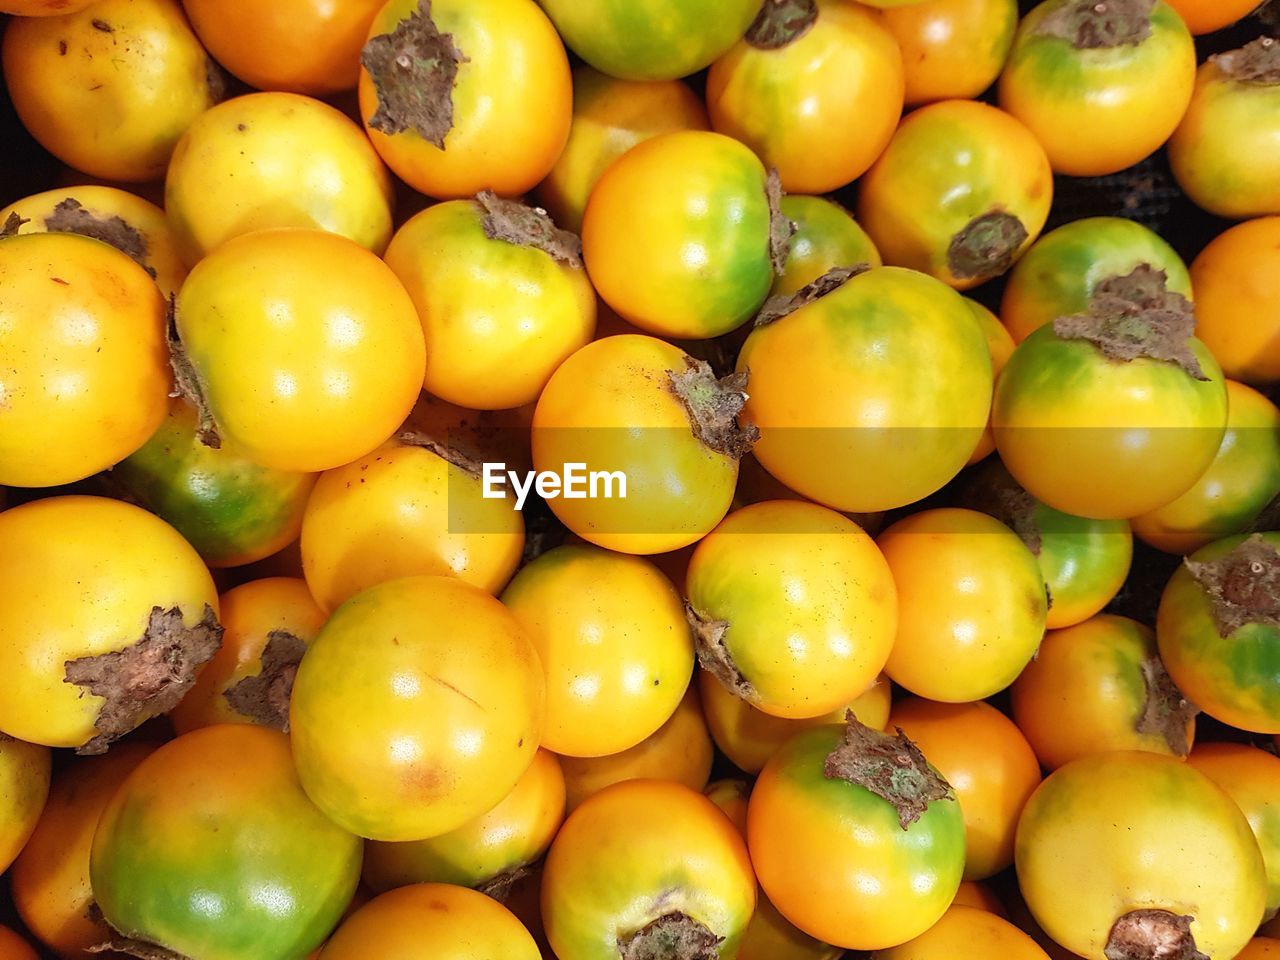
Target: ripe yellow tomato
{"type": "Point", "coordinates": [42, 8]}
{"type": "Point", "coordinates": [488, 105]}
{"type": "Point", "coordinates": [13, 947]}
{"type": "Point", "coordinates": [406, 509]}
{"type": "Point", "coordinates": [110, 90]}
{"type": "Point", "coordinates": [971, 604]}
{"type": "Point", "coordinates": [816, 96]}
{"type": "Point", "coordinates": [107, 617]}
{"type": "Point", "coordinates": [1260, 948]}
{"type": "Point", "coordinates": [24, 787]}
{"type": "Point", "coordinates": [1103, 858]}
{"type": "Point", "coordinates": [275, 160]}
{"type": "Point", "coordinates": [952, 49]}
{"type": "Point", "coordinates": [610, 116]}
{"type": "Point", "coordinates": [771, 936]}
{"type": "Point", "coordinates": [417, 708]}
{"type": "Point", "coordinates": [614, 644]}
{"type": "Point", "coordinates": [731, 796]}
{"type": "Point", "coordinates": [1099, 686]}
{"type": "Point", "coordinates": [960, 193]}
{"type": "Point", "coordinates": [84, 375]}
{"type": "Point", "coordinates": [1206, 16]}
{"type": "Point", "coordinates": [793, 607]}
{"type": "Point", "coordinates": [502, 296]}
{"type": "Point", "coordinates": [305, 347]}
{"type": "Point", "coordinates": [826, 237]}
{"type": "Point", "coordinates": [973, 893]}
{"type": "Point", "coordinates": [965, 933]}
{"type": "Point", "coordinates": [1001, 347]}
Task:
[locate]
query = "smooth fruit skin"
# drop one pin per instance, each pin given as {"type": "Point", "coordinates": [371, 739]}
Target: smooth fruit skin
{"type": "Point", "coordinates": [834, 859]}
{"type": "Point", "coordinates": [42, 8]}
{"type": "Point", "coordinates": [1237, 304]}
{"type": "Point", "coordinates": [80, 577]}
{"type": "Point", "coordinates": [857, 377]}
{"type": "Point", "coordinates": [947, 164]}
{"type": "Point", "coordinates": [610, 116]}
{"type": "Point", "coordinates": [13, 947]}
{"type": "Point", "coordinates": [1085, 692]}
{"type": "Point", "coordinates": [416, 709]}
{"type": "Point", "coordinates": [50, 878]}
{"type": "Point", "coordinates": [651, 39]}
{"type": "Point", "coordinates": [975, 894]}
{"type": "Point", "coordinates": [1102, 439]}
{"type": "Point", "coordinates": [681, 855]}
{"type": "Point", "coordinates": [676, 235]}
{"type": "Point", "coordinates": [614, 644]}
{"type": "Point", "coordinates": [971, 604]}
{"type": "Point", "coordinates": [1130, 97]}
{"type": "Point", "coordinates": [308, 349]}
{"type": "Point", "coordinates": [1251, 777]}
{"type": "Point", "coordinates": [1234, 679]}
{"type": "Point", "coordinates": [1001, 346]}
{"type": "Point", "coordinates": [771, 936]}
{"type": "Point", "coordinates": [988, 763]}
{"type": "Point", "coordinates": [112, 102]}
{"type": "Point", "coordinates": [1260, 948]}
{"type": "Point", "coordinates": [269, 160]}
{"type": "Point", "coordinates": [1238, 486]}
{"type": "Point", "coordinates": [431, 921]}
{"type": "Point", "coordinates": [1206, 16]}
{"type": "Point", "coordinates": [1059, 273]}
{"type": "Point", "coordinates": [498, 317]}
{"type": "Point", "coordinates": [302, 46]}
{"type": "Point", "coordinates": [84, 375]}
{"type": "Point", "coordinates": [826, 236]}
{"type": "Point", "coordinates": [24, 787]}
{"type": "Point", "coordinates": [818, 110]}
{"type": "Point", "coordinates": [965, 933]}
{"type": "Point", "coordinates": [512, 101]}
{"type": "Point", "coordinates": [808, 599]}
{"type": "Point", "coordinates": [952, 49]}
{"type": "Point", "coordinates": [1115, 832]}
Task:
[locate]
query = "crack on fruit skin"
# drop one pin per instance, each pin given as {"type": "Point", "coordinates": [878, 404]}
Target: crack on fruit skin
{"type": "Point", "coordinates": [890, 766]}
{"type": "Point", "coordinates": [785, 304]}
{"type": "Point", "coordinates": [1167, 711]}
{"type": "Point", "coordinates": [70, 216]}
{"type": "Point", "coordinates": [524, 226]}
{"type": "Point", "coordinates": [713, 406]}
{"type": "Point", "coordinates": [1099, 24]}
{"type": "Point", "coordinates": [987, 246]}
{"type": "Point", "coordinates": [264, 697]}
{"type": "Point", "coordinates": [186, 382]}
{"type": "Point", "coordinates": [714, 656]}
{"type": "Point", "coordinates": [1152, 935]}
{"type": "Point", "coordinates": [1243, 586]}
{"type": "Point", "coordinates": [781, 23]}
{"type": "Point", "coordinates": [673, 936]}
{"type": "Point", "coordinates": [781, 227]}
{"type": "Point", "coordinates": [1256, 63]}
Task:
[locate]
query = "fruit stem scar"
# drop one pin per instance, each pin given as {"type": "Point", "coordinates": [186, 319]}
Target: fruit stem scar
{"type": "Point", "coordinates": [714, 655]}
{"type": "Point", "coordinates": [1152, 935]}
{"type": "Point", "coordinates": [713, 406]}
{"type": "Point", "coordinates": [1099, 24]}
{"type": "Point", "coordinates": [987, 246]}
{"type": "Point", "coordinates": [781, 23]}
{"type": "Point", "coordinates": [673, 936]}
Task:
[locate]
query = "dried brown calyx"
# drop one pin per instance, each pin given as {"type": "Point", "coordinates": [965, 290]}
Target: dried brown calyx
{"type": "Point", "coordinates": [781, 22]}
{"type": "Point", "coordinates": [187, 385]}
{"type": "Point", "coordinates": [998, 495]}
{"type": "Point", "coordinates": [12, 224]}
{"type": "Point", "coordinates": [713, 407]}
{"type": "Point", "coordinates": [135, 948]}
{"type": "Point", "coordinates": [1137, 316]}
{"type": "Point", "coordinates": [891, 767]}
{"type": "Point", "coordinates": [1243, 585]}
{"type": "Point", "coordinates": [1099, 24]}
{"type": "Point", "coordinates": [785, 304]}
{"type": "Point", "coordinates": [518, 223]}
{"type": "Point", "coordinates": [413, 69]}
{"type": "Point", "coordinates": [674, 936]}
{"type": "Point", "coordinates": [1152, 935]}
{"type": "Point", "coordinates": [1167, 711]}
{"type": "Point", "coordinates": [714, 656]}
{"type": "Point", "coordinates": [499, 887]}
{"type": "Point", "coordinates": [264, 698]}
{"type": "Point", "coordinates": [1256, 63]}
{"type": "Point", "coordinates": [781, 227]}
{"type": "Point", "coordinates": [147, 678]}
{"type": "Point", "coordinates": [70, 216]}
{"type": "Point", "coordinates": [449, 454]}
{"type": "Point", "coordinates": [987, 246]}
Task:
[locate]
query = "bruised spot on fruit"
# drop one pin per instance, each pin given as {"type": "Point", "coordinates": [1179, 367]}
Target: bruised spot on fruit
{"type": "Point", "coordinates": [785, 304]}
{"type": "Point", "coordinates": [413, 69]}
{"type": "Point", "coordinates": [187, 385]}
{"type": "Point", "coordinates": [1137, 316]}
{"type": "Point", "coordinates": [781, 227]}
{"type": "Point", "coordinates": [264, 698]}
{"type": "Point", "coordinates": [890, 766]}
{"type": "Point", "coordinates": [780, 23]}
{"type": "Point", "coordinates": [1167, 712]}
{"type": "Point", "coordinates": [713, 656]}
{"type": "Point", "coordinates": [12, 224]}
{"type": "Point", "coordinates": [1243, 586]}
{"type": "Point", "coordinates": [1152, 935]}
{"type": "Point", "coordinates": [147, 678]}
{"type": "Point", "coordinates": [449, 454]}
{"type": "Point", "coordinates": [713, 406]}
{"type": "Point", "coordinates": [986, 246]}
{"type": "Point", "coordinates": [1100, 24]}
{"type": "Point", "coordinates": [1256, 63]}
{"type": "Point", "coordinates": [499, 886]}
{"type": "Point", "coordinates": [103, 26]}
{"type": "Point", "coordinates": [70, 216]}
{"type": "Point", "coordinates": [518, 223]}
{"type": "Point", "coordinates": [673, 936]}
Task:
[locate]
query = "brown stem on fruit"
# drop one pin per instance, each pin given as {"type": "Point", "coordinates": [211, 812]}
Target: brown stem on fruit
{"type": "Point", "coordinates": [781, 227]}
{"type": "Point", "coordinates": [12, 224]}
{"type": "Point", "coordinates": [1152, 935]}
{"type": "Point", "coordinates": [499, 886]}
{"type": "Point", "coordinates": [785, 304]}
{"type": "Point", "coordinates": [1099, 24]}
{"type": "Point", "coordinates": [987, 246]}
{"type": "Point", "coordinates": [1243, 586]}
{"type": "Point", "coordinates": [147, 678]}
{"type": "Point", "coordinates": [451, 455]}
{"type": "Point", "coordinates": [70, 216]}
{"type": "Point", "coordinates": [1167, 712]}
{"type": "Point", "coordinates": [995, 493]}
{"type": "Point", "coordinates": [891, 767]}
{"type": "Point", "coordinates": [264, 698]}
{"type": "Point", "coordinates": [135, 948]}
{"type": "Point", "coordinates": [780, 23]}
{"type": "Point", "coordinates": [518, 223]}
{"type": "Point", "coordinates": [714, 656]}
{"type": "Point", "coordinates": [674, 936]}
{"type": "Point", "coordinates": [713, 407]}
{"type": "Point", "coordinates": [1256, 63]}
{"type": "Point", "coordinates": [1136, 317]}
{"type": "Point", "coordinates": [413, 69]}
{"type": "Point", "coordinates": [187, 384]}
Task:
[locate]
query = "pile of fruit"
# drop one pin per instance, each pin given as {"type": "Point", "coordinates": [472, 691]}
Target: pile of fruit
{"type": "Point", "coordinates": [518, 479]}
